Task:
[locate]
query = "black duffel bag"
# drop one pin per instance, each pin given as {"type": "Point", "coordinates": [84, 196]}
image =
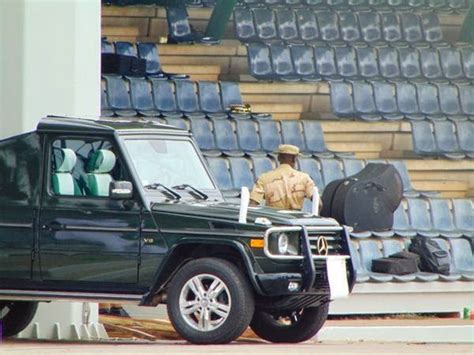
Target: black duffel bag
{"type": "Point", "coordinates": [123, 65]}
{"type": "Point", "coordinates": [432, 257]}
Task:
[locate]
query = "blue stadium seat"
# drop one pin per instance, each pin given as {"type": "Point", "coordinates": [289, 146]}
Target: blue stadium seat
{"type": "Point", "coordinates": [370, 250]}
{"type": "Point", "coordinates": [328, 25]}
{"type": "Point", "coordinates": [118, 96]}
{"type": "Point", "coordinates": [244, 26]}
{"type": "Point", "coordinates": [465, 133]}
{"type": "Point", "coordinates": [361, 273]}
{"type": "Point", "coordinates": [241, 173]}
{"type": "Point", "coordinates": [282, 62]}
{"type": "Point", "coordinates": [468, 61]}
{"type": "Point", "coordinates": [367, 61]}
{"type": "Point", "coordinates": [142, 98]}
{"type": "Point", "coordinates": [177, 122]}
{"type": "Point", "coordinates": [451, 63]}
{"type": "Point", "coordinates": [442, 218]}
{"type": "Point", "coordinates": [125, 48]}
{"type": "Point", "coordinates": [392, 31]}
{"type": "Point", "coordinates": [408, 190]}
{"type": "Point", "coordinates": [106, 47]}
{"type": "Point", "coordinates": [341, 98]}
{"type": "Point", "coordinates": [420, 217]}
{"type": "Point", "coordinates": [370, 26]}
{"type": "Point", "coordinates": [311, 167]}
{"type": "Point", "coordinates": [230, 95]}
{"type": "Point", "coordinates": [202, 133]}
{"type": "Point", "coordinates": [463, 259]}
{"type": "Point", "coordinates": [364, 103]}
{"type": "Point", "coordinates": [406, 99]}
{"type": "Point", "coordinates": [304, 63]}
{"type": "Point", "coordinates": [388, 62]}
{"type": "Point", "coordinates": [346, 61]}
{"type": "Point", "coordinates": [385, 100]}
{"type": "Point", "coordinates": [210, 99]}
{"type": "Point", "coordinates": [409, 62]}
{"type": "Point", "coordinates": [423, 138]}
{"type": "Point", "coordinates": [393, 246]}
{"type": "Point", "coordinates": [446, 139]}
{"type": "Point", "coordinates": [430, 63]}
{"type": "Point", "coordinates": [149, 52]}
{"type": "Point", "coordinates": [105, 109]}
{"type": "Point", "coordinates": [187, 98]}
{"type": "Point", "coordinates": [307, 25]}
{"type": "Point", "coordinates": [314, 139]}
{"type": "Point", "coordinates": [352, 166]}
{"type": "Point", "coordinates": [265, 24]}
{"type": "Point", "coordinates": [286, 24]}
{"type": "Point", "coordinates": [428, 101]}
{"type": "Point", "coordinates": [220, 170]}
{"type": "Point", "coordinates": [411, 26]}
{"type": "Point", "coordinates": [463, 210]}
{"type": "Point", "coordinates": [270, 136]}
{"type": "Point", "coordinates": [259, 61]}
{"type": "Point", "coordinates": [248, 138]}
{"type": "Point", "coordinates": [261, 165]}
{"type": "Point", "coordinates": [401, 223]}
{"type": "Point", "coordinates": [292, 134]}
{"type": "Point", "coordinates": [466, 93]}
{"type": "Point", "coordinates": [349, 26]}
{"type": "Point", "coordinates": [225, 137]}
{"type": "Point", "coordinates": [449, 99]}
{"type": "Point", "coordinates": [453, 275]}
{"type": "Point", "coordinates": [325, 61]}
{"type": "Point", "coordinates": [179, 28]}
{"type": "Point", "coordinates": [165, 101]}
{"type": "Point", "coordinates": [331, 169]}
{"type": "Point", "coordinates": [431, 27]}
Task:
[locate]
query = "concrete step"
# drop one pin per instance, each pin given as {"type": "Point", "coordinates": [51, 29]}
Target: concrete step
{"type": "Point", "coordinates": [120, 31]}
{"type": "Point", "coordinates": [196, 72]}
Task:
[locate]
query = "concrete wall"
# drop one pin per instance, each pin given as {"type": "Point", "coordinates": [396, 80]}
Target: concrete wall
{"type": "Point", "coordinates": [49, 61]}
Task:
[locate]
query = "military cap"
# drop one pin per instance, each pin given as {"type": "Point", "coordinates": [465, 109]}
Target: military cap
{"type": "Point", "coordinates": [288, 149]}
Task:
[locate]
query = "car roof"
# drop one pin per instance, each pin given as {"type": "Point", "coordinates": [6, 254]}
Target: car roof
{"type": "Point", "coordinates": [103, 125]}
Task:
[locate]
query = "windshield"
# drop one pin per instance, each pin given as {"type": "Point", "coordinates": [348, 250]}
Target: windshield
{"type": "Point", "coordinates": [168, 162]}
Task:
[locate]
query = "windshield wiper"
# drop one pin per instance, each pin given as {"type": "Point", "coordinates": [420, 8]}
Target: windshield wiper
{"type": "Point", "coordinates": [156, 185]}
{"type": "Point", "coordinates": [187, 186]}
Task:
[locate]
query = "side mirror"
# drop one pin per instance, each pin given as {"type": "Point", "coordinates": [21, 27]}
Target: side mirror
{"type": "Point", "coordinates": [120, 190]}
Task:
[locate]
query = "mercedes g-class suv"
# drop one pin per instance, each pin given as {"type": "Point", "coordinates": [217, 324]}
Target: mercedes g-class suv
{"type": "Point", "coordinates": [114, 211]}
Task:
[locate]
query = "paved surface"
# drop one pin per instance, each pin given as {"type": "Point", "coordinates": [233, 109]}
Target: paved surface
{"type": "Point", "coordinates": [240, 347]}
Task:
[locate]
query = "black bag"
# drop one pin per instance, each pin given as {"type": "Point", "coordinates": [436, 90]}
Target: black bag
{"type": "Point", "coordinates": [366, 200]}
{"type": "Point", "coordinates": [432, 257]}
{"type": "Point", "coordinates": [123, 65]}
{"type": "Point", "coordinates": [394, 266]}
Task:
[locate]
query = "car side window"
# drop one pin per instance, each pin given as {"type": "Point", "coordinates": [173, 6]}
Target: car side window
{"type": "Point", "coordinates": [84, 167]}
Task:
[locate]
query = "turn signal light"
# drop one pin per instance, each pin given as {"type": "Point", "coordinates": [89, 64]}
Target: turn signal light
{"type": "Point", "coordinates": [256, 243]}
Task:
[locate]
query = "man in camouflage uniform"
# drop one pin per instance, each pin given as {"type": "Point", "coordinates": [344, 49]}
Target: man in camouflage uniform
{"type": "Point", "coordinates": [283, 187]}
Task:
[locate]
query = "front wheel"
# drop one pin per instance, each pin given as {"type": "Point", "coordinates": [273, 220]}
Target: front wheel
{"type": "Point", "coordinates": [210, 301]}
{"type": "Point", "coordinates": [15, 316]}
{"type": "Point", "coordinates": [291, 327]}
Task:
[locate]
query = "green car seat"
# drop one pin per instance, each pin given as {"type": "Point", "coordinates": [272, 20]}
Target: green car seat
{"type": "Point", "coordinates": [62, 180]}
{"type": "Point", "coordinates": [99, 167]}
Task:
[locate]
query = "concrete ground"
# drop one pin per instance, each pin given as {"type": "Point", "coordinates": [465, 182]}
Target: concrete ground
{"type": "Point", "coordinates": [240, 347]}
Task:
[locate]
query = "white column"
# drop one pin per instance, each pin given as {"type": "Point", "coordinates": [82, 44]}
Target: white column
{"type": "Point", "coordinates": [49, 61]}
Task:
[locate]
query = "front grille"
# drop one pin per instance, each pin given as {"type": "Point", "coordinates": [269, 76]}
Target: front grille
{"type": "Point", "coordinates": [333, 242]}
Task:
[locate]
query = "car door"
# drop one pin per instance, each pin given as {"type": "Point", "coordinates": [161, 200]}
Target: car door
{"type": "Point", "coordinates": [87, 239]}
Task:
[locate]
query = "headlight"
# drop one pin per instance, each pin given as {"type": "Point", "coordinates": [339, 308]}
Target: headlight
{"type": "Point", "coordinates": [283, 243]}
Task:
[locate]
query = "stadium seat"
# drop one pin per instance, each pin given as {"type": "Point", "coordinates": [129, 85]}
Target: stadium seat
{"type": "Point", "coordinates": [220, 171]}
{"type": "Point", "coordinates": [385, 100]}
{"type": "Point", "coordinates": [331, 169]}
{"type": "Point", "coordinates": [307, 25]}
{"type": "Point", "coordinates": [292, 134]}
{"type": "Point", "coordinates": [468, 61]}
{"type": "Point", "coordinates": [142, 99]}
{"type": "Point", "coordinates": [352, 166]}
{"type": "Point", "coordinates": [248, 138]}
{"type": "Point", "coordinates": [314, 139]}
{"type": "Point", "coordinates": [282, 63]}
{"type": "Point", "coordinates": [463, 211]}
{"type": "Point", "coordinates": [177, 122]}
{"type": "Point", "coordinates": [364, 103]}
{"type": "Point", "coordinates": [241, 173]}
{"type": "Point", "coordinates": [311, 167]}
{"type": "Point", "coordinates": [367, 61]}
{"type": "Point", "coordinates": [270, 136]}
{"type": "Point", "coordinates": [443, 221]}
{"type": "Point", "coordinates": [388, 62]}
{"type": "Point", "coordinates": [346, 61]}
{"type": "Point", "coordinates": [265, 24]}
{"type": "Point", "coordinates": [465, 134]}
{"type": "Point", "coordinates": [202, 133]}
{"type": "Point", "coordinates": [210, 99]}
{"type": "Point", "coordinates": [244, 26]}
{"type": "Point", "coordinates": [178, 25]}
{"type": "Point", "coordinates": [393, 246]}
{"type": "Point", "coordinates": [420, 217]}
{"type": "Point", "coordinates": [409, 62]}
{"type": "Point", "coordinates": [370, 250]}
{"type": "Point", "coordinates": [446, 139]}
{"type": "Point", "coordinates": [304, 63]}
{"type": "Point", "coordinates": [225, 137]}
{"type": "Point", "coordinates": [391, 27]}
{"type": "Point", "coordinates": [165, 101]}
{"type": "Point", "coordinates": [349, 26]}
{"type": "Point", "coordinates": [463, 259]}
{"type": "Point", "coordinates": [430, 63]}
{"type": "Point", "coordinates": [260, 61]}
{"type": "Point", "coordinates": [328, 25]}
{"type": "Point", "coordinates": [325, 61]}
{"type": "Point", "coordinates": [449, 99]}
{"type": "Point", "coordinates": [341, 98]}
{"type": "Point", "coordinates": [105, 109]}
{"type": "Point", "coordinates": [428, 100]}
{"type": "Point", "coordinates": [187, 98]}
{"type": "Point", "coordinates": [118, 96]}
{"type": "Point", "coordinates": [401, 224]}
{"type": "Point", "coordinates": [286, 24]}
{"type": "Point", "coordinates": [451, 63]}
{"type": "Point", "coordinates": [423, 138]}
{"type": "Point", "coordinates": [431, 27]}
{"type": "Point", "coordinates": [411, 27]}
{"type": "Point", "coordinates": [370, 26]}
{"type": "Point", "coordinates": [149, 52]}
{"type": "Point", "coordinates": [408, 190]}
{"type": "Point", "coordinates": [466, 93]}
{"type": "Point", "coordinates": [406, 99]}
{"type": "Point", "coordinates": [261, 164]}
{"type": "Point", "coordinates": [230, 95]}
{"type": "Point", "coordinates": [106, 47]}
{"type": "Point", "coordinates": [361, 273]}
{"type": "Point", "coordinates": [125, 48]}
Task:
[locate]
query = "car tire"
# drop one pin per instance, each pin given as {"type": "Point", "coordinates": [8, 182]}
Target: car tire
{"type": "Point", "coordinates": [16, 315]}
{"type": "Point", "coordinates": [210, 301]}
{"type": "Point", "coordinates": [305, 325]}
